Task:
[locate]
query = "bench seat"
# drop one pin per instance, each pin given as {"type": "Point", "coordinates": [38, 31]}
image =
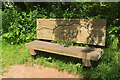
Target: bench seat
{"type": "Point", "coordinates": [85, 53]}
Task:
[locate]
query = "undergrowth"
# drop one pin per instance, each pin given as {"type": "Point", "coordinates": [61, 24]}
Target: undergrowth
{"type": "Point", "coordinates": [107, 68]}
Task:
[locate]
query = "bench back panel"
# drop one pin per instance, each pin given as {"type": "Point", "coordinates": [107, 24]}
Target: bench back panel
{"type": "Point", "coordinates": [87, 31]}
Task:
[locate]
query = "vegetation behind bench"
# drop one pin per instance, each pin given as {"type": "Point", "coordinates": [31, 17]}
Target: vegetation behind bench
{"type": "Point", "coordinates": [26, 18]}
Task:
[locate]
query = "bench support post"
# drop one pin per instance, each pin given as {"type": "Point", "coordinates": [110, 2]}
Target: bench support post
{"type": "Point", "coordinates": [86, 62]}
{"type": "Point", "coordinates": [32, 52]}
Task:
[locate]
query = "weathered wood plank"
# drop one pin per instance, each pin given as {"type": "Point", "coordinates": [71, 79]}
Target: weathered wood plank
{"type": "Point", "coordinates": [87, 31]}
{"type": "Point", "coordinates": [88, 53]}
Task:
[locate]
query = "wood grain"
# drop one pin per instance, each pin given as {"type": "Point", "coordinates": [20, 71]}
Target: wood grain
{"type": "Point", "coordinates": [87, 31]}
{"type": "Point", "coordinates": [86, 53]}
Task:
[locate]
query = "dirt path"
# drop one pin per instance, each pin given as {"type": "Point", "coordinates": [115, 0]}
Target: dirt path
{"type": "Point", "coordinates": [21, 71]}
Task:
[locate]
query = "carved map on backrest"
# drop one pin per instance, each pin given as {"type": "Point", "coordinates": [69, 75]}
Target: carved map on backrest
{"type": "Point", "coordinates": [87, 31]}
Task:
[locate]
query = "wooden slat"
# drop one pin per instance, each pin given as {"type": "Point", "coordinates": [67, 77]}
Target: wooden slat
{"type": "Point", "coordinates": [87, 31]}
{"type": "Point", "coordinates": [88, 53]}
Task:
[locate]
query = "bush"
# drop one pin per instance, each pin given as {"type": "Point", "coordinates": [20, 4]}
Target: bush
{"type": "Point", "coordinates": [113, 37]}
{"type": "Point", "coordinates": [18, 27]}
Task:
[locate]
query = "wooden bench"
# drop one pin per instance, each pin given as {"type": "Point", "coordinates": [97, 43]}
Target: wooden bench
{"type": "Point", "coordinates": [87, 31]}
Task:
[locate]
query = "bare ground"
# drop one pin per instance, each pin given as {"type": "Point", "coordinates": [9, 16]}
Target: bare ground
{"type": "Point", "coordinates": [22, 71]}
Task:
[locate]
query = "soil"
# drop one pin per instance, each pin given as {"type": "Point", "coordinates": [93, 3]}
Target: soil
{"type": "Point", "coordinates": [22, 71]}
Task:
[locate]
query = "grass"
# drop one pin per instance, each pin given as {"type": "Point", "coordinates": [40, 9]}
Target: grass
{"type": "Point", "coordinates": [14, 54]}
{"type": "Point", "coordinates": [105, 69]}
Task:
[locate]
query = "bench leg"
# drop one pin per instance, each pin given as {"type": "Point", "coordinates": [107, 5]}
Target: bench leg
{"type": "Point", "coordinates": [32, 52]}
{"type": "Point", "coordinates": [86, 62]}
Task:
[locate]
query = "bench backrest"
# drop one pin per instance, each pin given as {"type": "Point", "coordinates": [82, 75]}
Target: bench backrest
{"type": "Point", "coordinates": [87, 31]}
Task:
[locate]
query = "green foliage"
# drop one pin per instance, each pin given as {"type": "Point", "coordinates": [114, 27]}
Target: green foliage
{"type": "Point", "coordinates": [13, 54]}
{"type": "Point", "coordinates": [19, 26]}
{"type": "Point", "coordinates": [107, 69]}
{"type": "Point", "coordinates": [113, 37]}
{"type": "Point", "coordinates": [69, 43]}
